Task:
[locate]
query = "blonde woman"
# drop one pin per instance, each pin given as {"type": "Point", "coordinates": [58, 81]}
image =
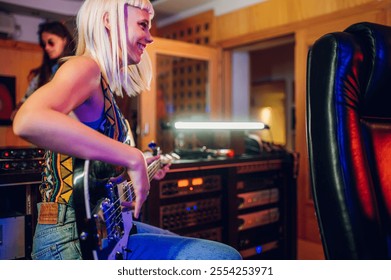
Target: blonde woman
{"type": "Point", "coordinates": [110, 59]}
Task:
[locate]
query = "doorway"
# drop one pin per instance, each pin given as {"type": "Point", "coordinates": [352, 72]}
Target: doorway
{"type": "Point", "coordinates": [268, 88]}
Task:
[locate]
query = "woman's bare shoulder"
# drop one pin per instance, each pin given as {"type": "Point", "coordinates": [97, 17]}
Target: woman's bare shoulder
{"type": "Point", "coordinates": [81, 65]}
{"type": "Point", "coordinates": [80, 72]}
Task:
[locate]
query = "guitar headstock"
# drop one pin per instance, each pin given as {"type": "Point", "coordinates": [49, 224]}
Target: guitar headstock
{"type": "Point", "coordinates": [164, 158]}
{"type": "Point", "coordinates": [169, 158]}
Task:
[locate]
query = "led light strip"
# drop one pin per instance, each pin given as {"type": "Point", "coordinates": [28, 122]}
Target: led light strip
{"type": "Point", "coordinates": [221, 125]}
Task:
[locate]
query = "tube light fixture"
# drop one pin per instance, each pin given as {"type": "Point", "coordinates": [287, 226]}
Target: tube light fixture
{"type": "Point", "coordinates": [221, 125]}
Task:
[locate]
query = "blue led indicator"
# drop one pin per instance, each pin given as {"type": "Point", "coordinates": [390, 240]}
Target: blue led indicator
{"type": "Point", "coordinates": [258, 249]}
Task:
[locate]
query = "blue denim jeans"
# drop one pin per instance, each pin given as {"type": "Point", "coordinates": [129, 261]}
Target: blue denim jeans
{"type": "Point", "coordinates": [152, 243]}
{"type": "Point", "coordinates": [60, 242]}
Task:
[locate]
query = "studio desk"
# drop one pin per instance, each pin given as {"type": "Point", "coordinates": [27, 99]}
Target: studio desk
{"type": "Point", "coordinates": [248, 202]}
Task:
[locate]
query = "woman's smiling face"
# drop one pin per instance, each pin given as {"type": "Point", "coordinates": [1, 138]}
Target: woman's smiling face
{"type": "Point", "coordinates": [137, 32]}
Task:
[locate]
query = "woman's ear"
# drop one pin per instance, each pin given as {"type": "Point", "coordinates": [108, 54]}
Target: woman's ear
{"type": "Point", "coordinates": [106, 20]}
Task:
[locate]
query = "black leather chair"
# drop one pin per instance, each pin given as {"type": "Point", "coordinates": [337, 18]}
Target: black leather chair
{"type": "Point", "coordinates": [349, 140]}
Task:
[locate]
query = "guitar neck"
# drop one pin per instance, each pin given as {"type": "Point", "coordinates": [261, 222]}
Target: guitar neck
{"type": "Point", "coordinates": [153, 168]}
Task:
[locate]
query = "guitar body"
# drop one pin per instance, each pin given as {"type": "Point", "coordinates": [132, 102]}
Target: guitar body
{"type": "Point", "coordinates": [102, 224]}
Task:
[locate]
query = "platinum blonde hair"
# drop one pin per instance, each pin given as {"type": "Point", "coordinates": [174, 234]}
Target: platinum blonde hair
{"type": "Point", "coordinates": [110, 50]}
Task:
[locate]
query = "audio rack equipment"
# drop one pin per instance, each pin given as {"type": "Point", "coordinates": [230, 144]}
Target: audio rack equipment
{"type": "Point", "coordinates": [18, 159]}
{"type": "Point", "coordinates": [191, 213]}
{"type": "Point", "coordinates": [20, 176]}
{"type": "Point", "coordinates": [258, 198]}
{"type": "Point", "coordinates": [265, 194]}
{"type": "Point", "coordinates": [187, 201]}
{"type": "Point", "coordinates": [245, 202]}
{"type": "Point", "coordinates": [189, 186]}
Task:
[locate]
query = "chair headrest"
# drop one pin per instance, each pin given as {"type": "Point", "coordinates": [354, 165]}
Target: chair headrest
{"type": "Point", "coordinates": [374, 42]}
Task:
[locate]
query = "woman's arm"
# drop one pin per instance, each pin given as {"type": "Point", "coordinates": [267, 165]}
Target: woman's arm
{"type": "Point", "coordinates": [43, 120]}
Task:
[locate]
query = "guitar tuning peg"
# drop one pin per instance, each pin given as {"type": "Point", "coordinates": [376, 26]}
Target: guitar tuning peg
{"type": "Point", "coordinates": [153, 146]}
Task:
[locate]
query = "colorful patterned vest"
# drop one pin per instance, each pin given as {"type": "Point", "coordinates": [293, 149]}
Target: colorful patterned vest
{"type": "Point", "coordinates": [57, 176]}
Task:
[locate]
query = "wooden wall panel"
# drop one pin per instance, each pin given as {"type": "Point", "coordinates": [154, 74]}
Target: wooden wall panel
{"type": "Point", "coordinates": [17, 59]}
{"type": "Point", "coordinates": [198, 29]}
{"type": "Point", "coordinates": [275, 17]}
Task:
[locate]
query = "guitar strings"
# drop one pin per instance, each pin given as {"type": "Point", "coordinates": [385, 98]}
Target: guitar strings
{"type": "Point", "coordinates": [128, 193]}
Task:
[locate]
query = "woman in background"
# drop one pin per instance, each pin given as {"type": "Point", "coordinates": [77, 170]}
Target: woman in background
{"type": "Point", "coordinates": [56, 42]}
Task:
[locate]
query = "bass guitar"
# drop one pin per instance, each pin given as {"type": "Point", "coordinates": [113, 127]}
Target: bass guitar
{"type": "Point", "coordinates": [103, 224]}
